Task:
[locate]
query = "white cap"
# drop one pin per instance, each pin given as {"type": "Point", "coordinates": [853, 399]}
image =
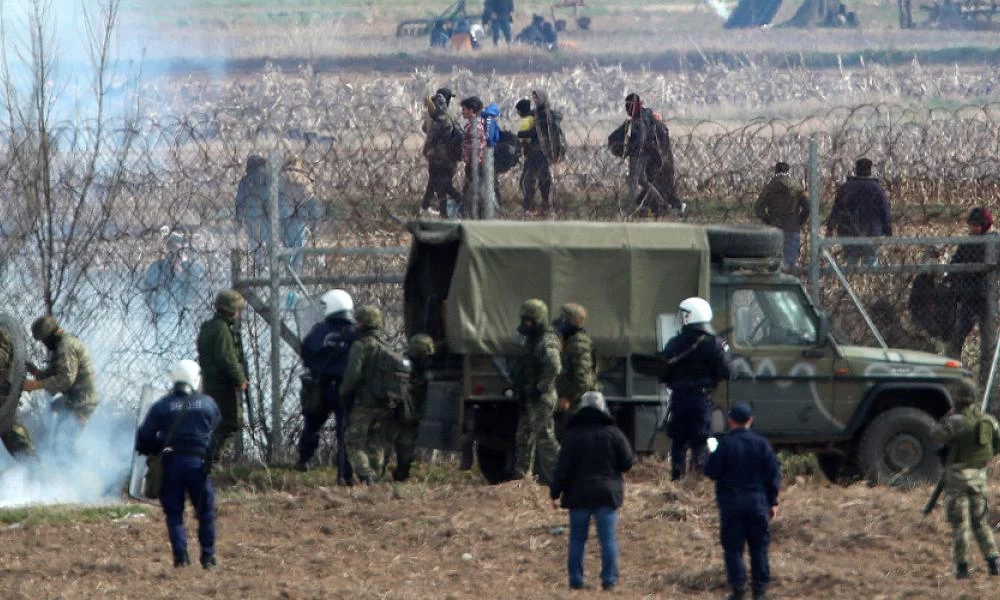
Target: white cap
{"type": "Point", "coordinates": [187, 371]}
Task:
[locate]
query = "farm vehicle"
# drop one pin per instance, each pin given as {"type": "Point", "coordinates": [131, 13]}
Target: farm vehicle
{"type": "Point", "coordinates": [864, 411]}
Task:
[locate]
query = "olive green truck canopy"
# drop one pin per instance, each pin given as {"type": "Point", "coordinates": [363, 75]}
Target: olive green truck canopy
{"type": "Point", "coordinates": [465, 281]}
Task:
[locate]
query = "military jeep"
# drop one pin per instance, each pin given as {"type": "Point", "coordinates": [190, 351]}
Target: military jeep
{"type": "Point", "coordinates": [862, 410]}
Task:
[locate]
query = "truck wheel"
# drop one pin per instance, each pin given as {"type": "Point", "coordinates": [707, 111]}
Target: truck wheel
{"type": "Point", "coordinates": [8, 402]}
{"type": "Point", "coordinates": [745, 241]}
{"type": "Point", "coordinates": [896, 448]}
{"type": "Point", "coordinates": [493, 464]}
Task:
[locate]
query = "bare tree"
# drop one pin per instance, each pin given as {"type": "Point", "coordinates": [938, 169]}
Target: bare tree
{"type": "Point", "coordinates": [66, 155]}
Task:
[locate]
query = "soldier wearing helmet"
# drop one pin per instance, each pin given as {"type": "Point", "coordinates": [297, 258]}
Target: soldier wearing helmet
{"type": "Point", "coordinates": [179, 428]}
{"type": "Point", "coordinates": [578, 375]}
{"type": "Point", "coordinates": [535, 380]}
{"type": "Point", "coordinates": [366, 427]}
{"type": "Point", "coordinates": [223, 365]}
{"type": "Point", "coordinates": [698, 362]}
{"type": "Point", "coordinates": [971, 439]}
{"type": "Point", "coordinates": [404, 428]}
{"type": "Point", "coordinates": [70, 374]}
{"type": "Point", "coordinates": [970, 289]}
{"type": "Point", "coordinates": [324, 353]}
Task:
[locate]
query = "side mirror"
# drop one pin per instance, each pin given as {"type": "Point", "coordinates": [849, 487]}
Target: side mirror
{"type": "Point", "coordinates": [823, 329]}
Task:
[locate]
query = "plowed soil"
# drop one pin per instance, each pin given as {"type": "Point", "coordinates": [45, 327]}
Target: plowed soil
{"type": "Point", "coordinates": [448, 535]}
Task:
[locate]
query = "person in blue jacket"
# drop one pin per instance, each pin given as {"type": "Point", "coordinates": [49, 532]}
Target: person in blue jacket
{"type": "Point", "coordinates": [324, 352]}
{"type": "Point", "coordinates": [747, 479]}
{"type": "Point", "coordinates": [179, 427]}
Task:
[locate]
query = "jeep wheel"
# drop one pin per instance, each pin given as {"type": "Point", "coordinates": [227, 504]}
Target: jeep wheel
{"type": "Point", "coordinates": [492, 464]}
{"type": "Point", "coordinates": [745, 241]}
{"type": "Point", "coordinates": [896, 448]}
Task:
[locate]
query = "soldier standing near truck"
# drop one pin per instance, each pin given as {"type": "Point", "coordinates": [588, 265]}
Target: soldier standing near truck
{"type": "Point", "coordinates": [698, 360]}
{"type": "Point", "coordinates": [971, 439]}
{"type": "Point", "coordinates": [535, 380]}
{"type": "Point", "coordinates": [578, 376]}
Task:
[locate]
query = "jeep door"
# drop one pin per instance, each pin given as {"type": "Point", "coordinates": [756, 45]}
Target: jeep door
{"type": "Point", "coordinates": [777, 366]}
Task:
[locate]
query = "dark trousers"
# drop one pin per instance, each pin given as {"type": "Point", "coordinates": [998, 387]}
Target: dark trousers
{"type": "Point", "coordinates": [313, 424]}
{"type": "Point", "coordinates": [751, 528]}
{"type": "Point", "coordinates": [501, 23]}
{"type": "Point", "coordinates": [689, 426]}
{"type": "Point", "coordinates": [536, 174]}
{"type": "Point", "coordinates": [440, 183]}
{"type": "Point", "coordinates": [229, 399]}
{"type": "Point", "coordinates": [970, 312]}
{"type": "Point", "coordinates": [185, 475]}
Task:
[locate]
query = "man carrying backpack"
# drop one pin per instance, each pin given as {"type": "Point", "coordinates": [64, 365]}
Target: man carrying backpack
{"type": "Point", "coordinates": [971, 439]}
{"type": "Point", "coordinates": [366, 389]}
{"type": "Point", "coordinates": [442, 149]}
{"type": "Point", "coordinates": [543, 145]}
{"type": "Point", "coordinates": [650, 161]}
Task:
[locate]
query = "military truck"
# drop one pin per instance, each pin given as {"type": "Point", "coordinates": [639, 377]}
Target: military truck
{"type": "Point", "coordinates": [863, 410]}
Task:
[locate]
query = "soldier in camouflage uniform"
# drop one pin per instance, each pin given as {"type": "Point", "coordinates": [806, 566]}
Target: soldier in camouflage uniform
{"type": "Point", "coordinates": [971, 439]}
{"type": "Point", "coordinates": [17, 440]}
{"type": "Point", "coordinates": [403, 431]}
{"type": "Point", "coordinates": [578, 376]}
{"type": "Point", "coordinates": [70, 373]}
{"type": "Point", "coordinates": [367, 427]}
{"type": "Point", "coordinates": [535, 380]}
{"type": "Point", "coordinates": [223, 366]}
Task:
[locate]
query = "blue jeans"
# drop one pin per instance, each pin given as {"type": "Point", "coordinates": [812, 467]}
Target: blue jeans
{"type": "Point", "coordinates": [750, 528]}
{"type": "Point", "coordinates": [793, 241]}
{"type": "Point", "coordinates": [183, 474]}
{"type": "Point", "coordinates": [579, 523]}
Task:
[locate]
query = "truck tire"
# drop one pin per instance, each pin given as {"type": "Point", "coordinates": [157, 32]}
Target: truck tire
{"type": "Point", "coordinates": [896, 448]}
{"type": "Point", "coordinates": [745, 241]}
{"type": "Point", "coordinates": [9, 400]}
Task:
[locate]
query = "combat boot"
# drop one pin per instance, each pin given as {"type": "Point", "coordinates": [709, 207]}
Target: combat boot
{"type": "Point", "coordinates": [962, 571]}
{"type": "Point", "coordinates": [401, 473]}
{"type": "Point", "coordinates": [367, 480]}
{"type": "Point", "coordinates": [760, 594]}
{"type": "Point", "coordinates": [208, 561]}
{"type": "Point", "coordinates": [181, 559]}
{"type": "Point", "coordinates": [992, 564]}
{"type": "Point", "coordinates": [736, 594]}
{"type": "Point", "coordinates": [302, 466]}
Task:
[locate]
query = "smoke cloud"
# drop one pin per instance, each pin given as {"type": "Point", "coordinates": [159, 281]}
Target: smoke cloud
{"type": "Point", "coordinates": [73, 464]}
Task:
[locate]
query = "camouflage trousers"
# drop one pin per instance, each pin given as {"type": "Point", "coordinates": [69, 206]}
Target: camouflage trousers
{"type": "Point", "coordinates": [402, 438]}
{"type": "Point", "coordinates": [967, 512]}
{"type": "Point", "coordinates": [367, 436]}
{"type": "Point", "coordinates": [536, 433]}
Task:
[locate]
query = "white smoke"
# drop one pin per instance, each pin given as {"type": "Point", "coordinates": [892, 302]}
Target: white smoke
{"type": "Point", "coordinates": [718, 7]}
{"type": "Point", "coordinates": [73, 464]}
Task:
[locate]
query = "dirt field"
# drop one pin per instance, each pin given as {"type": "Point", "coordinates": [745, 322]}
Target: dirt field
{"type": "Point", "coordinates": [287, 535]}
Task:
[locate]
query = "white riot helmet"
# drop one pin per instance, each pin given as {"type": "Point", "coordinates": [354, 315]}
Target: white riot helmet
{"type": "Point", "coordinates": [695, 311]}
{"type": "Point", "coordinates": [187, 373]}
{"type": "Point", "coordinates": [335, 301]}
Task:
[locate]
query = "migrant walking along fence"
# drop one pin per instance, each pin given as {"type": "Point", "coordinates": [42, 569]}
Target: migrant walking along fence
{"type": "Point", "coordinates": [96, 249]}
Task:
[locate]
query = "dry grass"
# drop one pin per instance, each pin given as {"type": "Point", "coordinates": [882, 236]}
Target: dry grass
{"type": "Point", "coordinates": [306, 538]}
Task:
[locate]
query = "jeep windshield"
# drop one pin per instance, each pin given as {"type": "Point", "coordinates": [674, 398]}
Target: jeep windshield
{"type": "Point", "coordinates": [772, 316]}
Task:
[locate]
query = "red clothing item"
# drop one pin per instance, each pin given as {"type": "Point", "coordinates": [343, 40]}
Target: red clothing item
{"type": "Point", "coordinates": [467, 140]}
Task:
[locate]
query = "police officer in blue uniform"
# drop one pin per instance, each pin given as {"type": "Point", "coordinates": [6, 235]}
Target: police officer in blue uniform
{"type": "Point", "coordinates": [324, 351]}
{"type": "Point", "coordinates": [697, 361]}
{"type": "Point", "coordinates": [179, 426]}
{"type": "Point", "coordinates": [747, 479]}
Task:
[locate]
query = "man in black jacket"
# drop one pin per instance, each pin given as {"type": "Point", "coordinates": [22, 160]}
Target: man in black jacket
{"type": "Point", "coordinates": [499, 14]}
{"type": "Point", "coordinates": [747, 479]}
{"type": "Point", "coordinates": [588, 478]}
{"type": "Point", "coordinates": [970, 289]}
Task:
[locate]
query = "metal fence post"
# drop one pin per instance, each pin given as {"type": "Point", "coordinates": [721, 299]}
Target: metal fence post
{"type": "Point", "coordinates": [474, 182]}
{"type": "Point", "coordinates": [489, 191]}
{"type": "Point", "coordinates": [988, 328]}
{"type": "Point", "coordinates": [274, 275]}
{"type": "Point", "coordinates": [814, 243]}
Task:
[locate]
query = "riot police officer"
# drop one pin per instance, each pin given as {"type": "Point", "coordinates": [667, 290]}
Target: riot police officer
{"type": "Point", "coordinates": [698, 360]}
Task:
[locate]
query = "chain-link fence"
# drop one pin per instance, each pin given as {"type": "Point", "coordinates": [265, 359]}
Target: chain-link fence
{"type": "Point", "coordinates": [94, 246]}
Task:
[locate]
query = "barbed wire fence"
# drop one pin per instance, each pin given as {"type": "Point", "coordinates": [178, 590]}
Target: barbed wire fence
{"type": "Point", "coordinates": [181, 173]}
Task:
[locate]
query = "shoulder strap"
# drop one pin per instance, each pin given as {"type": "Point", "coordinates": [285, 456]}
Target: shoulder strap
{"type": "Point", "coordinates": [689, 350]}
{"type": "Point", "coordinates": [177, 421]}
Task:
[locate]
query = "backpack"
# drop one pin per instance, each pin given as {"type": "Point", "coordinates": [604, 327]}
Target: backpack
{"type": "Point", "coordinates": [661, 136]}
{"type": "Point", "coordinates": [551, 138]}
{"type": "Point", "coordinates": [388, 379]}
{"type": "Point", "coordinates": [507, 153]}
{"type": "Point", "coordinates": [490, 125]}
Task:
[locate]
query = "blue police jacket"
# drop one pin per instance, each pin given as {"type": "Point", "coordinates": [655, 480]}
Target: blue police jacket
{"type": "Point", "coordinates": [193, 433]}
{"type": "Point", "coordinates": [746, 472]}
{"type": "Point", "coordinates": [701, 369]}
{"type": "Point", "coordinates": [327, 345]}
